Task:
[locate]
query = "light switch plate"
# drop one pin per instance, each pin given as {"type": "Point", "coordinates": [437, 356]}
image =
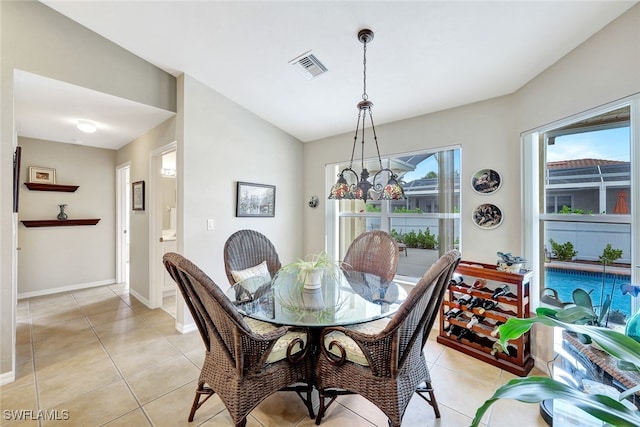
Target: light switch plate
{"type": "Point", "coordinates": [210, 224]}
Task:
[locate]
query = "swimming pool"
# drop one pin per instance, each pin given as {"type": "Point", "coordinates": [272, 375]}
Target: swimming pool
{"type": "Point", "coordinates": [565, 281]}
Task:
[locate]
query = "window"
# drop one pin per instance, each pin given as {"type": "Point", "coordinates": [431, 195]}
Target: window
{"type": "Point", "coordinates": [427, 223]}
{"type": "Point", "coordinates": [559, 202]}
{"type": "Point", "coordinates": [583, 173]}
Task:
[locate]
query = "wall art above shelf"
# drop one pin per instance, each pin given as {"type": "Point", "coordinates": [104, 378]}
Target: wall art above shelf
{"type": "Point", "coordinates": [59, 223]}
{"type": "Point", "coordinates": [38, 186]}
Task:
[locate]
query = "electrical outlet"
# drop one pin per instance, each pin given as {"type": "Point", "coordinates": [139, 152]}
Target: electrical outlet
{"type": "Point", "coordinates": [210, 224]}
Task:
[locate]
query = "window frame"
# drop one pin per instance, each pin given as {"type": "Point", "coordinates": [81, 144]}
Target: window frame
{"type": "Point", "coordinates": [533, 184]}
{"type": "Point", "coordinates": [386, 215]}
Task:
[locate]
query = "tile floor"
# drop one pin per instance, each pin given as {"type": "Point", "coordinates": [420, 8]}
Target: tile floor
{"type": "Point", "coordinates": [101, 358]}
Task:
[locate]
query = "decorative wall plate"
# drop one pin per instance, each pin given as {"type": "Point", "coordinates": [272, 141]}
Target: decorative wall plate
{"type": "Point", "coordinates": [486, 181]}
{"type": "Point", "coordinates": [487, 216]}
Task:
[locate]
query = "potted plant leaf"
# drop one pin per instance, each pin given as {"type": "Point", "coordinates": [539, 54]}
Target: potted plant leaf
{"type": "Point", "coordinates": [536, 389]}
{"type": "Point", "coordinates": [311, 269]}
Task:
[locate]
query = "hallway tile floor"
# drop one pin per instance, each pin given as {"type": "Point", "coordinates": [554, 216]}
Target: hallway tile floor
{"type": "Point", "coordinates": [98, 357]}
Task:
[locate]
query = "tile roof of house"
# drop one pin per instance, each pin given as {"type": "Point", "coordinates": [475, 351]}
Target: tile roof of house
{"type": "Point", "coordinates": [581, 163]}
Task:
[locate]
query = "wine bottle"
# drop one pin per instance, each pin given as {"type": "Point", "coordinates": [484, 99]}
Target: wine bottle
{"type": "Point", "coordinates": [494, 333]}
{"type": "Point", "coordinates": [475, 320]}
{"type": "Point", "coordinates": [478, 284]}
{"type": "Point", "coordinates": [487, 304]}
{"type": "Point", "coordinates": [475, 302]}
{"type": "Point", "coordinates": [453, 313]}
{"type": "Point", "coordinates": [509, 349]}
{"type": "Point", "coordinates": [464, 300]}
{"type": "Point", "coordinates": [465, 333]}
{"type": "Point", "coordinates": [500, 291]}
{"type": "Point", "coordinates": [456, 279]}
{"type": "Point", "coordinates": [453, 330]}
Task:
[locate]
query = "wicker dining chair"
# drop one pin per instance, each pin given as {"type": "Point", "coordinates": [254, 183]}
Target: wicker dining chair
{"type": "Point", "coordinates": [374, 252]}
{"type": "Point", "coordinates": [246, 249]}
{"type": "Point", "coordinates": [383, 360]}
{"type": "Point", "coordinates": [246, 360]}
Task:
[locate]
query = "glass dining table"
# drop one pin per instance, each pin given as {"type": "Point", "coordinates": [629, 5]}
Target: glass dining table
{"type": "Point", "coordinates": [345, 298]}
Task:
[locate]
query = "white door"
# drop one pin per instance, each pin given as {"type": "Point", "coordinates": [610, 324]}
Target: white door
{"type": "Point", "coordinates": [123, 194]}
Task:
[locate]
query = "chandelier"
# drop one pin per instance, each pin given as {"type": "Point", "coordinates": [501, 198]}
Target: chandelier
{"type": "Point", "coordinates": [365, 189]}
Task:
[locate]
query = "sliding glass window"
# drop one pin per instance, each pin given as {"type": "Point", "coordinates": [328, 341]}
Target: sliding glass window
{"type": "Point", "coordinates": [585, 234]}
{"type": "Point", "coordinates": [426, 224]}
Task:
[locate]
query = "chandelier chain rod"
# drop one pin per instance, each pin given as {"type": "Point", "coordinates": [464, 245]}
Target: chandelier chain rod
{"type": "Point", "coordinates": [375, 138]}
{"type": "Point", "coordinates": [355, 139]}
{"type": "Point", "coordinates": [364, 189]}
{"type": "Point", "coordinates": [364, 72]}
{"type": "Point", "coordinates": [364, 118]}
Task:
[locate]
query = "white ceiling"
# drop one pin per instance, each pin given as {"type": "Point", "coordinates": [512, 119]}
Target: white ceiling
{"type": "Point", "coordinates": [426, 55]}
{"type": "Point", "coordinates": [50, 109]}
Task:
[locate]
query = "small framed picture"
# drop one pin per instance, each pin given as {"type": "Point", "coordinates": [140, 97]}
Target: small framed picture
{"type": "Point", "coordinates": [487, 216]}
{"type": "Point", "coordinates": [137, 196]}
{"type": "Point", "coordinates": [255, 199]}
{"type": "Point", "coordinates": [486, 181]}
{"type": "Point", "coordinates": [38, 174]}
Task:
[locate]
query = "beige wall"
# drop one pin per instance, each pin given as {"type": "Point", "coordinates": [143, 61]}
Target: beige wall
{"type": "Point", "coordinates": [36, 39]}
{"type": "Point", "coordinates": [223, 143]}
{"type": "Point", "coordinates": [137, 153]}
{"type": "Point", "coordinates": [50, 256]}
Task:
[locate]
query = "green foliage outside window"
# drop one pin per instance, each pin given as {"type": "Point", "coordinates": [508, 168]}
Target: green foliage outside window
{"type": "Point", "coordinates": [563, 251]}
{"type": "Point", "coordinates": [422, 240]}
{"type": "Point", "coordinates": [567, 210]}
{"type": "Point", "coordinates": [405, 210]}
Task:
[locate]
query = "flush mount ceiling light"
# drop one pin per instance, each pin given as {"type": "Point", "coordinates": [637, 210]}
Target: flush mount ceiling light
{"type": "Point", "coordinates": [365, 189]}
{"type": "Point", "coordinates": [86, 126]}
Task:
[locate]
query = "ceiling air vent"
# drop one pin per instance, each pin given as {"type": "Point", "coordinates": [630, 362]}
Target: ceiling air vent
{"type": "Point", "coordinates": [308, 65]}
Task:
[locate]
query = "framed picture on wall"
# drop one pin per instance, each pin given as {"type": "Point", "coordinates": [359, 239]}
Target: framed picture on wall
{"type": "Point", "coordinates": [137, 196]}
{"type": "Point", "coordinates": [255, 199]}
{"type": "Point", "coordinates": [38, 174]}
{"type": "Point", "coordinates": [487, 216]}
{"type": "Point", "coordinates": [486, 181]}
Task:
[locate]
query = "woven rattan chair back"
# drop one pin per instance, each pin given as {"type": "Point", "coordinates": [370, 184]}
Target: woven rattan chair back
{"type": "Point", "coordinates": [235, 360]}
{"type": "Point", "coordinates": [248, 248]}
{"type": "Point", "coordinates": [397, 366]}
{"type": "Point", "coordinates": [374, 252]}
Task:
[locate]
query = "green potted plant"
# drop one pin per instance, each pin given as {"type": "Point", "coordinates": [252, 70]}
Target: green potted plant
{"type": "Point", "coordinates": [310, 270]}
{"type": "Point", "coordinates": [563, 251]}
{"type": "Point", "coordinates": [536, 389]}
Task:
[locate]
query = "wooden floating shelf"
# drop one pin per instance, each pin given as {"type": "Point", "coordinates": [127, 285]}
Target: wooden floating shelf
{"type": "Point", "coordinates": [59, 223]}
{"type": "Point", "coordinates": [36, 186]}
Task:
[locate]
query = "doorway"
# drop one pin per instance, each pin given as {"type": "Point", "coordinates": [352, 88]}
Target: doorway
{"type": "Point", "coordinates": [163, 225]}
{"type": "Point", "coordinates": [123, 205]}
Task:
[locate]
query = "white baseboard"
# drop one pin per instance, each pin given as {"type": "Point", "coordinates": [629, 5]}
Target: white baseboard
{"type": "Point", "coordinates": [185, 329]}
{"type": "Point", "coordinates": [7, 377]}
{"type": "Point", "coordinates": [68, 288]}
{"type": "Point", "coordinates": [140, 298]}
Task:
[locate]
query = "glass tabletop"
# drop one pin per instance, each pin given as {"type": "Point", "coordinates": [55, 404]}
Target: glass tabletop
{"type": "Point", "coordinates": [345, 298]}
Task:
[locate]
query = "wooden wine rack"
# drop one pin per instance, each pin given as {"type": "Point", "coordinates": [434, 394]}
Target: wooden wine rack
{"type": "Point", "coordinates": [513, 304]}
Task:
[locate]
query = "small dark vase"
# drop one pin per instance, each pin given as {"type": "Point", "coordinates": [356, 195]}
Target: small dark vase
{"type": "Point", "coordinates": [62, 216]}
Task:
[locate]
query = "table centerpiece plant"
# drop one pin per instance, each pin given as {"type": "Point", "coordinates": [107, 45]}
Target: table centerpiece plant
{"type": "Point", "coordinates": [535, 389]}
{"type": "Point", "coordinates": [311, 270]}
